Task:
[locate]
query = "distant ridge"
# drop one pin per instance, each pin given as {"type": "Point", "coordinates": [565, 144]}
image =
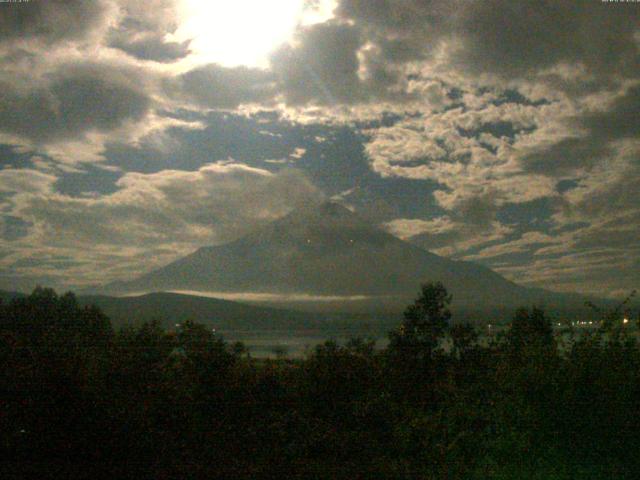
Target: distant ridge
{"type": "Point", "coordinates": [329, 250]}
{"type": "Point", "coordinates": [174, 308]}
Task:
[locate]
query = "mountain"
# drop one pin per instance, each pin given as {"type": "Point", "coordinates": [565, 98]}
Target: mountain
{"type": "Point", "coordinates": [172, 308]}
{"type": "Point", "coordinates": [328, 251]}
{"type": "Point", "coordinates": [235, 319]}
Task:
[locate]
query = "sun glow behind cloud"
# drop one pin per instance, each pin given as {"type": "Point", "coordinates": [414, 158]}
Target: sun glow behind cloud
{"type": "Point", "coordinates": [238, 32]}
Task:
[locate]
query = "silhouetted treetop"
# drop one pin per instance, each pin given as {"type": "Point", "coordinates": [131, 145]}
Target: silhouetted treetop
{"type": "Point", "coordinates": [426, 320]}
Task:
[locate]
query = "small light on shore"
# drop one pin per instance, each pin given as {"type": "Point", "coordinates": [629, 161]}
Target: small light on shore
{"type": "Point", "coordinates": [625, 320]}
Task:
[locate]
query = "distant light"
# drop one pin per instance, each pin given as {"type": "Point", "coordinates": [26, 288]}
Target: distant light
{"type": "Point", "coordinates": [177, 324]}
{"type": "Point", "coordinates": [489, 325]}
{"type": "Point", "coordinates": [625, 320]}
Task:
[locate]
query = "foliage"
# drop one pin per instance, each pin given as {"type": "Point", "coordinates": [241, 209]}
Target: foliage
{"type": "Point", "coordinates": [82, 401]}
{"type": "Point", "coordinates": [425, 321]}
{"type": "Point", "coordinates": [529, 330]}
{"type": "Point", "coordinates": [611, 318]}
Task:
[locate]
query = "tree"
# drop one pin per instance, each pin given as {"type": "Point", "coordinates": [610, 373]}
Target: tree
{"type": "Point", "coordinates": [424, 322]}
{"type": "Point", "coordinates": [611, 318]}
{"type": "Point", "coordinates": [464, 337]}
{"type": "Point", "coordinates": [530, 329]}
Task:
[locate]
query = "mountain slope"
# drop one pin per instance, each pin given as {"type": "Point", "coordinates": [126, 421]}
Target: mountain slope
{"type": "Point", "coordinates": [172, 308]}
{"type": "Point", "coordinates": [330, 251]}
{"type": "Point", "coordinates": [235, 319]}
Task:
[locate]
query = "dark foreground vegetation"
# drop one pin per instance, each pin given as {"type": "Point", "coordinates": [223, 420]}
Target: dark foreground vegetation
{"type": "Point", "coordinates": [79, 400]}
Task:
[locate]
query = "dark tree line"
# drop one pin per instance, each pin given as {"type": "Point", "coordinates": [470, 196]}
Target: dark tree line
{"type": "Point", "coordinates": [78, 400]}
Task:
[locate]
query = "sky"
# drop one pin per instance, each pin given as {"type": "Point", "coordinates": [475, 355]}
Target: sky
{"type": "Point", "coordinates": [501, 132]}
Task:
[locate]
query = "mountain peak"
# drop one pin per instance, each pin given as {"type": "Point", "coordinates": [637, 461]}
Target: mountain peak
{"type": "Point", "coordinates": [334, 209]}
{"type": "Point", "coordinates": [325, 213]}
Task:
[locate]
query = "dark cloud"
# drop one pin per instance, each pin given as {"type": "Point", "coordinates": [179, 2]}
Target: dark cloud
{"type": "Point", "coordinates": [503, 37]}
{"type": "Point", "coordinates": [321, 66]}
{"type": "Point", "coordinates": [152, 47]}
{"type": "Point", "coordinates": [609, 197]}
{"type": "Point", "coordinates": [96, 97]}
{"type": "Point", "coordinates": [143, 29]}
{"type": "Point", "coordinates": [51, 21]}
{"type": "Point", "coordinates": [620, 120]}
{"type": "Point", "coordinates": [595, 142]}
{"type": "Point", "coordinates": [215, 86]}
{"type": "Point", "coordinates": [566, 156]}
{"type": "Point", "coordinates": [72, 101]}
{"type": "Point", "coordinates": [370, 51]}
{"type": "Point", "coordinates": [478, 211]}
{"type": "Point", "coordinates": [400, 18]}
{"type": "Point", "coordinates": [519, 38]}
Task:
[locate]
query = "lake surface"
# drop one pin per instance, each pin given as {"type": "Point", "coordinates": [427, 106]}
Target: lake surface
{"type": "Point", "coordinates": [296, 343]}
{"type": "Point", "coordinates": [300, 342]}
